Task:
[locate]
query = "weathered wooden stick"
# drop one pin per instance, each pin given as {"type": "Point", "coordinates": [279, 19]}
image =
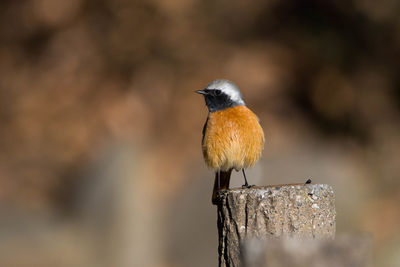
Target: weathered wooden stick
{"type": "Point", "coordinates": [302, 211]}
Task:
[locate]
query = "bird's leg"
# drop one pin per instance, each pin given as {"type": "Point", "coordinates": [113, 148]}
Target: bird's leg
{"type": "Point", "coordinates": [246, 184]}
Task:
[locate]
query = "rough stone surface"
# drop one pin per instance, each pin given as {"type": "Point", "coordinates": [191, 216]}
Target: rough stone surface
{"type": "Point", "coordinates": [301, 211]}
{"type": "Point", "coordinates": [345, 250]}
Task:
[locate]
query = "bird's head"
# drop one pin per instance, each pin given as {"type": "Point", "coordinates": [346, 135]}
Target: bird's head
{"type": "Point", "coordinates": [221, 94]}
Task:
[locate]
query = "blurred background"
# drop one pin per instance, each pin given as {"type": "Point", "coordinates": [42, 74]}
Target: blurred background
{"type": "Point", "coordinates": [100, 157]}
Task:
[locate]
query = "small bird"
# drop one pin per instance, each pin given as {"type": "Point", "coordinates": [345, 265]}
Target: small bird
{"type": "Point", "coordinates": [232, 135]}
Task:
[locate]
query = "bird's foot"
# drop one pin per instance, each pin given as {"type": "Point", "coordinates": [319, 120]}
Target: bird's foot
{"type": "Point", "coordinates": [248, 186]}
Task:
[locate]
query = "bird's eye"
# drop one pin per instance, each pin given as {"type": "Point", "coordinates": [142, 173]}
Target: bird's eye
{"type": "Point", "coordinates": [217, 92]}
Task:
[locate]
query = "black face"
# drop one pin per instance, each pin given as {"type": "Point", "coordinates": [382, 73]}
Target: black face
{"type": "Point", "coordinates": [217, 100]}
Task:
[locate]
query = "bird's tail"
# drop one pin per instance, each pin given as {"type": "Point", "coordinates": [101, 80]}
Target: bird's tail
{"type": "Point", "coordinates": [224, 184]}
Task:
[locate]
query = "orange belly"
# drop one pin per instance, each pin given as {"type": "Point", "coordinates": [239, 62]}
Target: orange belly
{"type": "Point", "coordinates": [233, 138]}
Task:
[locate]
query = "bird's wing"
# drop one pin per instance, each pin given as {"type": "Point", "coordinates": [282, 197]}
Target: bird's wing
{"type": "Point", "coordinates": [204, 130]}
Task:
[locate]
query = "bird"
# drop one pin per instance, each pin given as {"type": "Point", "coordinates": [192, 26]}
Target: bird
{"type": "Point", "coordinates": [233, 138]}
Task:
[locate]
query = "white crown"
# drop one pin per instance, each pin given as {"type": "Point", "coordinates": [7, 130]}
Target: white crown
{"type": "Point", "coordinates": [228, 88]}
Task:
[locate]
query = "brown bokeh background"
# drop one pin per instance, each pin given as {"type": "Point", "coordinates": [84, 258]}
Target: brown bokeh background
{"type": "Point", "coordinates": [100, 160]}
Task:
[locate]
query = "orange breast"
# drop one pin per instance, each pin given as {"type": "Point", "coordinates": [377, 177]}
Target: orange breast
{"type": "Point", "coordinates": [233, 138]}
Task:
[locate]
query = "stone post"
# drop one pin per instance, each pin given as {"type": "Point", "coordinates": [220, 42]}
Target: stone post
{"type": "Point", "coordinates": [293, 211]}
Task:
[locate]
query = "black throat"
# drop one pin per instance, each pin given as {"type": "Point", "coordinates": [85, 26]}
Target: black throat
{"type": "Point", "coordinates": [220, 102]}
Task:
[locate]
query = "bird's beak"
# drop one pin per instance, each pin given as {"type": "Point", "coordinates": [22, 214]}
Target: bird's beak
{"type": "Point", "coordinates": [202, 92]}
